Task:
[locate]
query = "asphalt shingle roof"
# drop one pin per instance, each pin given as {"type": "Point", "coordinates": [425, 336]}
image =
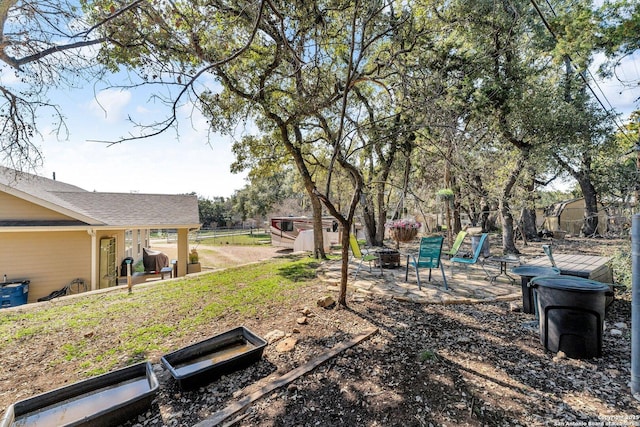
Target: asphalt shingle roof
{"type": "Point", "coordinates": [133, 208]}
{"type": "Point", "coordinates": [110, 209]}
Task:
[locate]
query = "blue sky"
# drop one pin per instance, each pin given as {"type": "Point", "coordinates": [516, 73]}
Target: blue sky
{"type": "Point", "coordinates": [165, 164]}
{"type": "Point", "coordinates": [170, 164]}
{"type": "Point", "coordinates": [621, 92]}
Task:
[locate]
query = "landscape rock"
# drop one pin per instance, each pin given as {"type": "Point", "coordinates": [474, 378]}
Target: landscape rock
{"type": "Point", "coordinates": [515, 307]}
{"type": "Point", "coordinates": [286, 345]}
{"type": "Point", "coordinates": [326, 302]}
{"type": "Point", "coordinates": [274, 335]}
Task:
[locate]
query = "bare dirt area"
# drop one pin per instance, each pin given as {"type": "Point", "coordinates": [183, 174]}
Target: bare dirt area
{"type": "Point", "coordinates": [223, 256]}
{"type": "Point", "coordinates": [425, 365]}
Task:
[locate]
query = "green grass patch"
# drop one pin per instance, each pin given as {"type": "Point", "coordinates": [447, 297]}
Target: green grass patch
{"type": "Point", "coordinates": [426, 355]}
{"type": "Point", "coordinates": [133, 325]}
{"type": "Point", "coordinates": [76, 350]}
{"type": "Point", "coordinates": [236, 239]}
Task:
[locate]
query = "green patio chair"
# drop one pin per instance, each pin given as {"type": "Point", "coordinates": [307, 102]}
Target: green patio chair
{"type": "Point", "coordinates": [473, 260]}
{"type": "Point", "coordinates": [363, 256]}
{"type": "Point", "coordinates": [456, 244]}
{"type": "Point", "coordinates": [428, 257]}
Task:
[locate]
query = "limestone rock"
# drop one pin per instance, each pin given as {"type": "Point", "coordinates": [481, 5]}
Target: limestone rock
{"type": "Point", "coordinates": [286, 345]}
{"type": "Point", "coordinates": [274, 335]}
{"type": "Point", "coordinates": [515, 307]}
{"type": "Point", "coordinates": [326, 302]}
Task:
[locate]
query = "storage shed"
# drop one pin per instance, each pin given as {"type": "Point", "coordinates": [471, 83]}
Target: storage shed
{"type": "Point", "coordinates": [568, 216]}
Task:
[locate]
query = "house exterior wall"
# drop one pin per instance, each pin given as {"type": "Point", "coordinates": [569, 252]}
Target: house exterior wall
{"type": "Point", "coordinates": [50, 260]}
{"type": "Point", "coordinates": [144, 241]}
{"type": "Point", "coordinates": [12, 208]}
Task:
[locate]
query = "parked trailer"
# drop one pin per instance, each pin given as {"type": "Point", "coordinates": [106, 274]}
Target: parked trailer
{"type": "Point", "coordinates": [285, 230]}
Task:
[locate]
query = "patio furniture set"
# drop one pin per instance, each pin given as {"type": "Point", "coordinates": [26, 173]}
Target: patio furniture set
{"type": "Point", "coordinates": [429, 256]}
{"type": "Point", "coordinates": [567, 293]}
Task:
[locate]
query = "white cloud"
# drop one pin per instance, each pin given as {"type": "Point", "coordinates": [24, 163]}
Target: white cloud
{"type": "Point", "coordinates": [8, 75]}
{"type": "Point", "coordinates": [175, 162]}
{"type": "Point", "coordinates": [110, 104]}
{"type": "Point", "coordinates": [167, 164]}
{"type": "Point", "coordinates": [622, 91]}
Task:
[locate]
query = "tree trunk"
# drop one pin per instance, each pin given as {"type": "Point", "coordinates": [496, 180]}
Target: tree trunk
{"type": "Point", "coordinates": [528, 218]}
{"type": "Point", "coordinates": [449, 234]}
{"type": "Point", "coordinates": [369, 219]}
{"type": "Point", "coordinates": [457, 222]}
{"type": "Point", "coordinates": [344, 267]}
{"type": "Point", "coordinates": [382, 218]}
{"type": "Point", "coordinates": [318, 235]}
{"type": "Point", "coordinates": [296, 152]}
{"type": "Point", "coordinates": [506, 217]}
{"type": "Point", "coordinates": [590, 226]}
{"type": "Point", "coordinates": [583, 176]}
{"type": "Point", "coordinates": [508, 245]}
{"type": "Point", "coordinates": [529, 226]}
{"type": "Point", "coordinates": [484, 216]}
{"type": "Point", "coordinates": [382, 214]}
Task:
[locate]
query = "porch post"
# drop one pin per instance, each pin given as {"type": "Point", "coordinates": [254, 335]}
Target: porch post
{"type": "Point", "coordinates": [94, 260]}
{"type": "Point", "coordinates": [183, 251]}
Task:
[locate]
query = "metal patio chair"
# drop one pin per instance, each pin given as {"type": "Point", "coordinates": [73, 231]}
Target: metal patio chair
{"type": "Point", "coordinates": [428, 257]}
{"type": "Point", "coordinates": [363, 256]}
{"type": "Point", "coordinates": [473, 259]}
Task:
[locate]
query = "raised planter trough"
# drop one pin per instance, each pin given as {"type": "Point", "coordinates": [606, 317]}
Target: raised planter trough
{"type": "Point", "coordinates": [208, 360]}
{"type": "Point", "coordinates": [105, 400]}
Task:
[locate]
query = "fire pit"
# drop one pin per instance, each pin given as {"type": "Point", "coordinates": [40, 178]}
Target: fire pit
{"type": "Point", "coordinates": [389, 258]}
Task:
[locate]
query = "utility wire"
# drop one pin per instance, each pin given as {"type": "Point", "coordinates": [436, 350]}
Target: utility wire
{"type": "Point", "coordinates": [581, 74]}
{"type": "Point", "coordinates": [588, 71]}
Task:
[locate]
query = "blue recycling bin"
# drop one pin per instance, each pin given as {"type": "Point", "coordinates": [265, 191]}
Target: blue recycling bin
{"type": "Point", "coordinates": [14, 293]}
{"type": "Point", "coordinates": [571, 314]}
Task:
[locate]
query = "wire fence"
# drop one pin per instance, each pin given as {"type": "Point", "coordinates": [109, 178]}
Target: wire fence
{"type": "Point", "coordinates": [611, 222]}
{"type": "Point", "coordinates": [222, 236]}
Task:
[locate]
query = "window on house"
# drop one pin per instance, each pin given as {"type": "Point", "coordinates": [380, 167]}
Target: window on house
{"type": "Point", "coordinates": [128, 243]}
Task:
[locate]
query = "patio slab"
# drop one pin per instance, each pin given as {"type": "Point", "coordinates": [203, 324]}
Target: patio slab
{"type": "Point", "coordinates": [468, 287]}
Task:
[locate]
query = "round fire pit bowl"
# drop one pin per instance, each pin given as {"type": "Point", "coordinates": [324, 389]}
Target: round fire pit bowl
{"type": "Point", "coordinates": [389, 258]}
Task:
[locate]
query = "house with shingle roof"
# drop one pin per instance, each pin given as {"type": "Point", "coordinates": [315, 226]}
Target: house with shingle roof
{"type": "Point", "coordinates": [52, 232]}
